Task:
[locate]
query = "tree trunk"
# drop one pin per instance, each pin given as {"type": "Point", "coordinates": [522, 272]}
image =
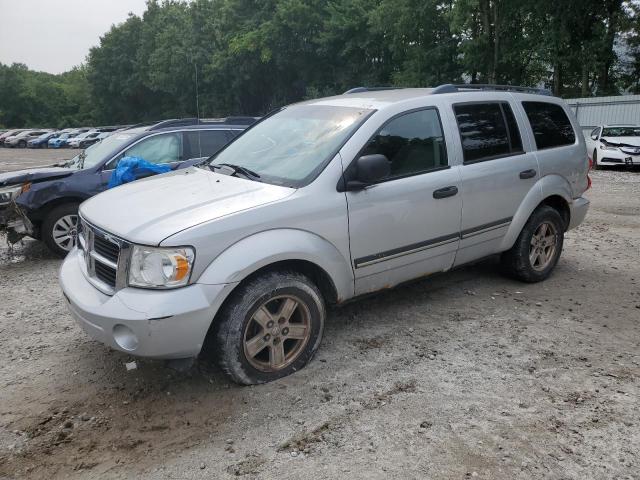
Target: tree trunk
{"type": "Point", "coordinates": [494, 73]}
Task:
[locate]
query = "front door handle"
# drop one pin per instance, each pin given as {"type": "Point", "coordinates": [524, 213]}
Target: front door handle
{"type": "Point", "coordinates": [445, 192]}
{"type": "Point", "coordinates": [527, 174]}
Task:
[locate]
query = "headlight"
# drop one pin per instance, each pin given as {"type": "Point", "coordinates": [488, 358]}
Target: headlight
{"type": "Point", "coordinates": [607, 147]}
{"type": "Point", "coordinates": [9, 193]}
{"type": "Point", "coordinates": [160, 267]}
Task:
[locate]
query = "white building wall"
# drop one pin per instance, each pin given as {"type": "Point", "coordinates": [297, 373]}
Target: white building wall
{"type": "Point", "coordinates": [594, 111]}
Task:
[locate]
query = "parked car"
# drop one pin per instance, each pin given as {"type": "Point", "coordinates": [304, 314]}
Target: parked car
{"type": "Point", "coordinates": [41, 141]}
{"type": "Point", "coordinates": [20, 140]}
{"type": "Point", "coordinates": [321, 202]}
{"type": "Point", "coordinates": [87, 142]}
{"type": "Point", "coordinates": [75, 141]}
{"type": "Point", "coordinates": [10, 133]}
{"type": "Point", "coordinates": [63, 140]}
{"type": "Point", "coordinates": [614, 145]}
{"type": "Point", "coordinates": [49, 196]}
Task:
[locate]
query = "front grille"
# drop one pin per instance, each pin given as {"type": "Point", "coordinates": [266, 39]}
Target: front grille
{"type": "Point", "coordinates": [106, 248]}
{"type": "Point", "coordinates": [103, 257]}
{"type": "Point", "coordinates": [105, 274]}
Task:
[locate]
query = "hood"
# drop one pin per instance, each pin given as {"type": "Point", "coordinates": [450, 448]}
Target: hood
{"type": "Point", "coordinates": [622, 141]}
{"type": "Point", "coordinates": [33, 175]}
{"type": "Point", "coordinates": [150, 210]}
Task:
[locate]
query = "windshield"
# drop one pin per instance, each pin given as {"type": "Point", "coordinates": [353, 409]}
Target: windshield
{"type": "Point", "coordinates": [621, 132]}
{"type": "Point", "coordinates": [97, 153]}
{"type": "Point", "coordinates": [293, 146]}
{"type": "Point", "coordinates": [44, 135]}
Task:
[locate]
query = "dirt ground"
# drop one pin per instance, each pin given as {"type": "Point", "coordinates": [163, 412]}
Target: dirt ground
{"type": "Point", "coordinates": [464, 375]}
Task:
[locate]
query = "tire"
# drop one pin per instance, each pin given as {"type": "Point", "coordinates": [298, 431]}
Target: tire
{"type": "Point", "coordinates": [517, 262]}
{"type": "Point", "coordinates": [594, 159]}
{"type": "Point", "coordinates": [22, 144]}
{"type": "Point", "coordinates": [242, 327]}
{"type": "Point", "coordinates": [54, 225]}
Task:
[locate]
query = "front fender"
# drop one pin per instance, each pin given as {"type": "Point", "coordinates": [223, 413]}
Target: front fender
{"type": "Point", "coordinates": [543, 188]}
{"type": "Point", "coordinates": [271, 246]}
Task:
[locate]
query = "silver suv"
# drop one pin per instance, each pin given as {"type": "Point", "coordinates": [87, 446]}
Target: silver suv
{"type": "Point", "coordinates": [237, 259]}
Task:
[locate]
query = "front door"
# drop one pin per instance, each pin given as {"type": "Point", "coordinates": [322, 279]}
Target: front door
{"type": "Point", "coordinates": [408, 224]}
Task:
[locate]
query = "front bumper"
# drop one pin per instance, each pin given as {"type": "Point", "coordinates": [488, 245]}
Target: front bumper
{"type": "Point", "coordinates": [617, 157]}
{"type": "Point", "coordinates": [148, 323]}
{"type": "Point", "coordinates": [579, 208]}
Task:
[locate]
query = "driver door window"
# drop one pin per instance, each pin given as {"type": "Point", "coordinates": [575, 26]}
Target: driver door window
{"type": "Point", "coordinates": [158, 149]}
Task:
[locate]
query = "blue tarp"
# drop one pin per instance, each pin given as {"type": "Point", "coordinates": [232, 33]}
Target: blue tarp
{"type": "Point", "coordinates": [132, 168]}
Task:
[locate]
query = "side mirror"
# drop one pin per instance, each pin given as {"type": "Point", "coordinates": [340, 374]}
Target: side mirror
{"type": "Point", "coordinates": [368, 169]}
{"type": "Point", "coordinates": [594, 137]}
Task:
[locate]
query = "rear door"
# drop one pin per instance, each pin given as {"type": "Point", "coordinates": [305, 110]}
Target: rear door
{"type": "Point", "coordinates": [408, 224]}
{"type": "Point", "coordinates": [497, 173]}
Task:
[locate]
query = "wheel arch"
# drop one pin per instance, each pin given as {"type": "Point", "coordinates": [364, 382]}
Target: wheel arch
{"type": "Point", "coordinates": [551, 190]}
{"type": "Point", "coordinates": [290, 249]}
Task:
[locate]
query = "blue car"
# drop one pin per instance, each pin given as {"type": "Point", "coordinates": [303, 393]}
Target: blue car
{"type": "Point", "coordinates": [63, 140]}
{"type": "Point", "coordinates": [48, 198]}
{"type": "Point", "coordinates": [42, 140]}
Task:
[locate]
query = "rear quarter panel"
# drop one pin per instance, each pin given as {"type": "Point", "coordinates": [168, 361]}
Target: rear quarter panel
{"type": "Point", "coordinates": [568, 162]}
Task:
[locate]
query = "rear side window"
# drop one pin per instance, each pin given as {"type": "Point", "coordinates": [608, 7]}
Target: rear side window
{"type": "Point", "coordinates": [412, 142]}
{"type": "Point", "coordinates": [487, 131]}
{"type": "Point", "coordinates": [211, 141]}
{"type": "Point", "coordinates": [550, 124]}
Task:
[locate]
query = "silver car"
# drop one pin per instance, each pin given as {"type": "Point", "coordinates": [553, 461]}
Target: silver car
{"type": "Point", "coordinates": [237, 259]}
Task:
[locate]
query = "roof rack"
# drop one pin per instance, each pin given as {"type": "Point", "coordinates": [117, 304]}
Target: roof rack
{"type": "Point", "coordinates": [183, 122]}
{"type": "Point", "coordinates": [369, 89]}
{"type": "Point", "coordinates": [455, 88]}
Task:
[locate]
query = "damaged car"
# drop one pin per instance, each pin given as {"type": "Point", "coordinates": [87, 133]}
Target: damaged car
{"type": "Point", "coordinates": [42, 203]}
{"type": "Point", "coordinates": [614, 145]}
{"type": "Point", "coordinates": [322, 202]}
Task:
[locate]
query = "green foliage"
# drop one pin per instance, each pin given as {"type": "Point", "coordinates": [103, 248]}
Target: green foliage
{"type": "Point", "coordinates": [250, 56]}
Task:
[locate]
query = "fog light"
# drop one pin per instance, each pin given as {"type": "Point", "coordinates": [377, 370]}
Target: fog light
{"type": "Point", "coordinates": [125, 338]}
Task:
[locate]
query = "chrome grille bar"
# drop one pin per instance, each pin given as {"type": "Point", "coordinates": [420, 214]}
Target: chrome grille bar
{"type": "Point", "coordinates": [106, 274]}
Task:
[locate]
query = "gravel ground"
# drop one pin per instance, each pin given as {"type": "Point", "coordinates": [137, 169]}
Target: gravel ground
{"type": "Point", "coordinates": [464, 375]}
{"type": "Point", "coordinates": [18, 158]}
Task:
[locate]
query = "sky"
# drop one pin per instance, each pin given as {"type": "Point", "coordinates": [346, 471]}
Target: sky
{"type": "Point", "coordinates": [56, 35]}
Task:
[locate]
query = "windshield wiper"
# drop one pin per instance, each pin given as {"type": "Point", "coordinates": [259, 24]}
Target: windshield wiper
{"type": "Point", "coordinates": [250, 174]}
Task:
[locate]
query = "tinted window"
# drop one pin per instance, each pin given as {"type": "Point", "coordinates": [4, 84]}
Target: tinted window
{"type": "Point", "coordinates": [413, 143]}
{"type": "Point", "coordinates": [487, 130]}
{"type": "Point", "coordinates": [191, 145]}
{"type": "Point", "coordinates": [158, 148]}
{"type": "Point", "coordinates": [550, 124]}
{"type": "Point", "coordinates": [211, 141]}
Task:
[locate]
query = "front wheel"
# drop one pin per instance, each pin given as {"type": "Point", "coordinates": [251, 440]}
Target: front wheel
{"type": "Point", "coordinates": [60, 227]}
{"type": "Point", "coordinates": [537, 249]}
{"type": "Point", "coordinates": [269, 328]}
{"type": "Point", "coordinates": [22, 144]}
{"type": "Point", "coordinates": [594, 160]}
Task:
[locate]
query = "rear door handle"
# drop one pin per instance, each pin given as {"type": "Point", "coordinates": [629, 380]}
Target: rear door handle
{"type": "Point", "coordinates": [527, 174]}
{"type": "Point", "coordinates": [445, 192]}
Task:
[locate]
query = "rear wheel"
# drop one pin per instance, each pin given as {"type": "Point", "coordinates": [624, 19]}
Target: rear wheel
{"type": "Point", "coordinates": [537, 249]}
{"type": "Point", "coordinates": [22, 144]}
{"type": "Point", "coordinates": [270, 328]}
{"type": "Point", "coordinates": [59, 228]}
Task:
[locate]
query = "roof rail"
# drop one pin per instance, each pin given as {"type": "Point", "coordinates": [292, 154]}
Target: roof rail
{"type": "Point", "coordinates": [184, 122]}
{"type": "Point", "coordinates": [369, 89]}
{"type": "Point", "coordinates": [453, 88]}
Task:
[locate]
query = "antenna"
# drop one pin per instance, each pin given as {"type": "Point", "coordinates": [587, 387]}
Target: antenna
{"type": "Point", "coordinates": [195, 67]}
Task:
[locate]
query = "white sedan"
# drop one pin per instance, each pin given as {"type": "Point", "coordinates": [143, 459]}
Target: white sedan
{"type": "Point", "coordinates": [614, 145]}
{"type": "Point", "coordinates": [75, 141]}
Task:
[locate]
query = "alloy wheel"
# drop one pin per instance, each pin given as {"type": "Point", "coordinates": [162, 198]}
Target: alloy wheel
{"type": "Point", "coordinates": [64, 232]}
{"type": "Point", "coordinates": [542, 249]}
{"type": "Point", "coordinates": [277, 333]}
